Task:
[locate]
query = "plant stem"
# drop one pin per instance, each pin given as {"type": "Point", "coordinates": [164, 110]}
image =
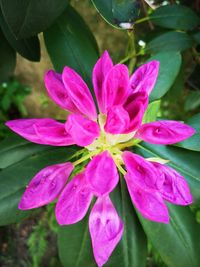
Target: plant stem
{"type": "Point", "coordinates": [132, 50]}
{"type": "Point", "coordinates": [142, 20]}
{"type": "Point", "coordinates": [89, 155]}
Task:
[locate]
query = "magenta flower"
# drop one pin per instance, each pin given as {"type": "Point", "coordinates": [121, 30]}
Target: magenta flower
{"type": "Point", "coordinates": [122, 102]}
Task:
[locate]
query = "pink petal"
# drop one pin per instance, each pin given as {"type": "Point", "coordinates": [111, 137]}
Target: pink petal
{"type": "Point", "coordinates": [57, 91]}
{"type": "Point", "coordinates": [79, 93]}
{"type": "Point", "coordinates": [117, 120]}
{"type": "Point", "coordinates": [144, 78]}
{"type": "Point", "coordinates": [142, 171]}
{"type": "Point", "coordinates": [101, 68]}
{"type": "Point", "coordinates": [115, 87]}
{"type": "Point", "coordinates": [173, 187]}
{"type": "Point", "coordinates": [106, 229]}
{"type": "Point", "coordinates": [148, 201]}
{"type": "Point", "coordinates": [41, 131]}
{"type": "Point", "coordinates": [82, 130]}
{"type": "Point", "coordinates": [102, 174]}
{"type": "Point", "coordinates": [74, 201]}
{"type": "Point", "coordinates": [45, 186]}
{"type": "Point", "coordinates": [164, 132]}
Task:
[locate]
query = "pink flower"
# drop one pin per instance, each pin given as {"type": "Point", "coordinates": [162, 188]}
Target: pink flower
{"type": "Point", "coordinates": [122, 102]}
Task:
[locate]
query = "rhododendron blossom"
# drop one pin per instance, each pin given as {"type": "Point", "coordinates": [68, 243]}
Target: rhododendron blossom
{"type": "Point", "coordinates": [122, 102]}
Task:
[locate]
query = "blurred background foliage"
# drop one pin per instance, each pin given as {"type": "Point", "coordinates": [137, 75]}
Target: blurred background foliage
{"type": "Point", "coordinates": [30, 44]}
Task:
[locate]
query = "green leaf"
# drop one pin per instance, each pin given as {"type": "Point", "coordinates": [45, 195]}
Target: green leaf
{"type": "Point", "coordinates": [184, 161]}
{"type": "Point", "coordinates": [170, 41]}
{"type": "Point", "coordinates": [119, 13]}
{"type": "Point", "coordinates": [193, 143]}
{"type": "Point", "coordinates": [175, 17]}
{"type": "Point", "coordinates": [152, 111]}
{"type": "Point", "coordinates": [177, 242]}
{"type": "Point", "coordinates": [74, 246]}
{"type": "Point", "coordinates": [196, 37]}
{"type": "Point", "coordinates": [193, 101]}
{"type": "Point", "coordinates": [170, 64]}
{"type": "Point", "coordinates": [28, 48]}
{"type": "Point", "coordinates": [7, 59]}
{"type": "Point", "coordinates": [70, 42]}
{"type": "Point", "coordinates": [22, 161]}
{"type": "Point", "coordinates": [74, 241]}
{"type": "Point", "coordinates": [28, 17]}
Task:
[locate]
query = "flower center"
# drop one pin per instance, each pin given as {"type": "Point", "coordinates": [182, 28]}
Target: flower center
{"type": "Point", "coordinates": [113, 143]}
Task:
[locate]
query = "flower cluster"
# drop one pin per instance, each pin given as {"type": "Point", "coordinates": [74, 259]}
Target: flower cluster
{"type": "Point", "coordinates": [122, 102]}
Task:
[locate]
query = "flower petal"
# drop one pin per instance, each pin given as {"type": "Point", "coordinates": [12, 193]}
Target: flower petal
{"type": "Point", "coordinates": [101, 174]}
{"type": "Point", "coordinates": [173, 187]}
{"type": "Point", "coordinates": [115, 87]}
{"type": "Point", "coordinates": [82, 130]}
{"type": "Point", "coordinates": [117, 120]}
{"type": "Point", "coordinates": [144, 78]}
{"type": "Point", "coordinates": [45, 186]}
{"type": "Point", "coordinates": [41, 131]}
{"type": "Point", "coordinates": [106, 229]}
{"type": "Point", "coordinates": [148, 201]}
{"type": "Point", "coordinates": [79, 93]}
{"type": "Point", "coordinates": [164, 132]}
{"type": "Point", "coordinates": [136, 115]}
{"type": "Point", "coordinates": [57, 91]}
{"type": "Point", "coordinates": [101, 68]}
{"type": "Point", "coordinates": [142, 171]}
{"type": "Point", "coordinates": [74, 201]}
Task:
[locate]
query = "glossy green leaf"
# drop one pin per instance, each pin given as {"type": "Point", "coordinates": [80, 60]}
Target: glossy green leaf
{"type": "Point", "coordinates": [28, 17]}
{"type": "Point", "coordinates": [175, 17]}
{"type": "Point", "coordinates": [152, 111]}
{"type": "Point", "coordinates": [170, 64]}
{"type": "Point", "coordinates": [184, 161]}
{"type": "Point", "coordinates": [177, 242]}
{"type": "Point", "coordinates": [170, 41]}
{"type": "Point", "coordinates": [7, 59]}
{"type": "Point", "coordinates": [119, 13]}
{"type": "Point", "coordinates": [22, 161]}
{"type": "Point", "coordinates": [75, 246]}
{"type": "Point", "coordinates": [193, 143]}
{"type": "Point", "coordinates": [70, 42]}
{"type": "Point", "coordinates": [28, 48]}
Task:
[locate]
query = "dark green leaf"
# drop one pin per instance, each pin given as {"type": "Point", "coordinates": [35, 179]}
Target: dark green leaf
{"type": "Point", "coordinates": [28, 48]}
{"type": "Point", "coordinates": [119, 13]}
{"type": "Point", "coordinates": [170, 41]}
{"type": "Point", "coordinates": [7, 59]}
{"type": "Point", "coordinates": [28, 17]}
{"type": "Point", "coordinates": [70, 42]}
{"type": "Point", "coordinates": [177, 242]}
{"type": "Point", "coordinates": [170, 63]}
{"type": "Point", "coordinates": [196, 37]}
{"type": "Point", "coordinates": [24, 162]}
{"type": "Point", "coordinates": [193, 143]}
{"type": "Point", "coordinates": [193, 101]}
{"type": "Point", "coordinates": [184, 161]}
{"type": "Point", "coordinates": [75, 246]}
{"type": "Point", "coordinates": [175, 17]}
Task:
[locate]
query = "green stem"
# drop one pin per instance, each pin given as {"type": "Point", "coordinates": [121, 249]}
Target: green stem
{"type": "Point", "coordinates": [89, 155]}
{"type": "Point", "coordinates": [142, 20]}
{"type": "Point", "coordinates": [132, 50]}
{"type": "Point", "coordinates": [128, 144]}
